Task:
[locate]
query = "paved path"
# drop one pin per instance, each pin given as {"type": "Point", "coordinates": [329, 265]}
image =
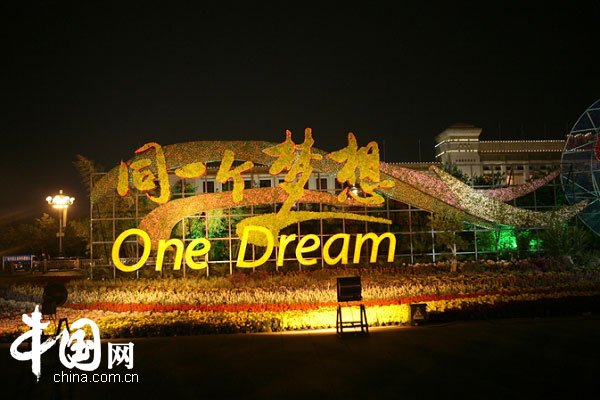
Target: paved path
{"type": "Point", "coordinates": [504, 359]}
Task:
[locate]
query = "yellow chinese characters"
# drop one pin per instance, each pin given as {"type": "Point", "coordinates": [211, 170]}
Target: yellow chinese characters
{"type": "Point", "coordinates": [226, 172]}
{"type": "Point", "coordinates": [289, 160]}
{"type": "Point", "coordinates": [143, 178]}
{"type": "Point", "coordinates": [366, 161]}
{"type": "Point", "coordinates": [193, 170]}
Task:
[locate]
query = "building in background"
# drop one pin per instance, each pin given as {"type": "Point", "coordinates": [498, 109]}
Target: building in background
{"type": "Point", "coordinates": [514, 161]}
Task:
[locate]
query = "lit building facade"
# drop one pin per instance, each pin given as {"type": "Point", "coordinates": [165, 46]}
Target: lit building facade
{"type": "Point", "coordinates": [259, 177]}
{"type": "Point", "coordinates": [516, 161]}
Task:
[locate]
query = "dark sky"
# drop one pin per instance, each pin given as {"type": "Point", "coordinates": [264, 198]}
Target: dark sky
{"type": "Point", "coordinates": [100, 81]}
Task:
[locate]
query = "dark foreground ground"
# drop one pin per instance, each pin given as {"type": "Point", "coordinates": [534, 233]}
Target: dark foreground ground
{"type": "Point", "coordinates": [504, 359]}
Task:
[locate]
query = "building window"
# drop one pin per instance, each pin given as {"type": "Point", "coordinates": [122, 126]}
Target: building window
{"type": "Point", "coordinates": [208, 187]}
{"type": "Point", "coordinates": [323, 182]}
{"type": "Point", "coordinates": [227, 186]}
{"type": "Point", "coordinates": [247, 184]}
{"type": "Point", "coordinates": [265, 183]}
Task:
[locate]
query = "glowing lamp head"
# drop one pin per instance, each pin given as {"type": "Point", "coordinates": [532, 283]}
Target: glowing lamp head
{"type": "Point", "coordinates": [60, 200]}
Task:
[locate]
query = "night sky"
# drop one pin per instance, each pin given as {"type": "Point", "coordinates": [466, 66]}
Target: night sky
{"type": "Point", "coordinates": [101, 81]}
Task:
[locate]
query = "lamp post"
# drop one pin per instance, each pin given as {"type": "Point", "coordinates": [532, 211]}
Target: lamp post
{"type": "Point", "coordinates": [61, 202]}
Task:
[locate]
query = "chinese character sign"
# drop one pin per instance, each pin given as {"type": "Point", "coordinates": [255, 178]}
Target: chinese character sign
{"type": "Point", "coordinates": [143, 178]}
{"type": "Point", "coordinates": [298, 166]}
{"type": "Point", "coordinates": [82, 350]}
{"type": "Point", "coordinates": [364, 180]}
{"type": "Point", "coordinates": [120, 353]}
{"type": "Point", "coordinates": [226, 173]}
{"type": "Point", "coordinates": [363, 163]}
{"type": "Point", "coordinates": [75, 351]}
{"type": "Point", "coordinates": [37, 348]}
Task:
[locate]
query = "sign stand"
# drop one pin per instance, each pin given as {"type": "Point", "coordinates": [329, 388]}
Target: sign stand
{"type": "Point", "coordinates": [362, 323]}
{"type": "Point", "coordinates": [418, 313]}
{"type": "Point", "coordinates": [350, 289]}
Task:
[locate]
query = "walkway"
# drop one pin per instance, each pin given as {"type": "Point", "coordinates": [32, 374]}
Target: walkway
{"type": "Point", "coordinates": [516, 358]}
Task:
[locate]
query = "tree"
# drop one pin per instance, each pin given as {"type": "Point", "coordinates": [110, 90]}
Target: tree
{"type": "Point", "coordinates": [189, 190]}
{"type": "Point", "coordinates": [563, 240]}
{"type": "Point", "coordinates": [45, 233]}
{"type": "Point", "coordinates": [103, 208]}
{"type": "Point", "coordinates": [447, 228]}
{"type": "Point", "coordinates": [78, 232]}
{"type": "Point", "coordinates": [20, 237]}
{"type": "Point", "coordinates": [86, 169]}
{"type": "Point", "coordinates": [39, 236]}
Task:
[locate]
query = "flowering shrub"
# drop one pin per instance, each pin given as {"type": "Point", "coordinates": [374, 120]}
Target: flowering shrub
{"type": "Point", "coordinates": [307, 288]}
{"type": "Point", "coordinates": [241, 279]}
{"type": "Point", "coordinates": [546, 264]}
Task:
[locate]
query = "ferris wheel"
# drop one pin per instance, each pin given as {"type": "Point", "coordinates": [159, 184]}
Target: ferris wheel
{"type": "Point", "coordinates": [580, 162]}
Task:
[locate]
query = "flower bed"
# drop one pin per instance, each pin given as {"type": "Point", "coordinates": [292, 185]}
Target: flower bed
{"type": "Point", "coordinates": [263, 303]}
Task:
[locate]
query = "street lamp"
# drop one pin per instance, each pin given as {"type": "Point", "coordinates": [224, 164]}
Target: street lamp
{"type": "Point", "coordinates": [61, 202]}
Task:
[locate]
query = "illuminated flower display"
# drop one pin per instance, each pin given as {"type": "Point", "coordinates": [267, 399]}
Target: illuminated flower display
{"type": "Point", "coordinates": [512, 192]}
{"type": "Point", "coordinates": [436, 193]}
{"type": "Point", "coordinates": [150, 307]}
{"type": "Point", "coordinates": [480, 205]}
{"type": "Point", "coordinates": [432, 185]}
{"type": "Point", "coordinates": [159, 222]}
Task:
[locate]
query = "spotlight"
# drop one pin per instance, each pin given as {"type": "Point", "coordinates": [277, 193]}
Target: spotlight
{"type": "Point", "coordinates": [55, 295]}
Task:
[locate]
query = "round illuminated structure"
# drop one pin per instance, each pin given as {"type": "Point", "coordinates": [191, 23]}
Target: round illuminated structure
{"type": "Point", "coordinates": [581, 166]}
